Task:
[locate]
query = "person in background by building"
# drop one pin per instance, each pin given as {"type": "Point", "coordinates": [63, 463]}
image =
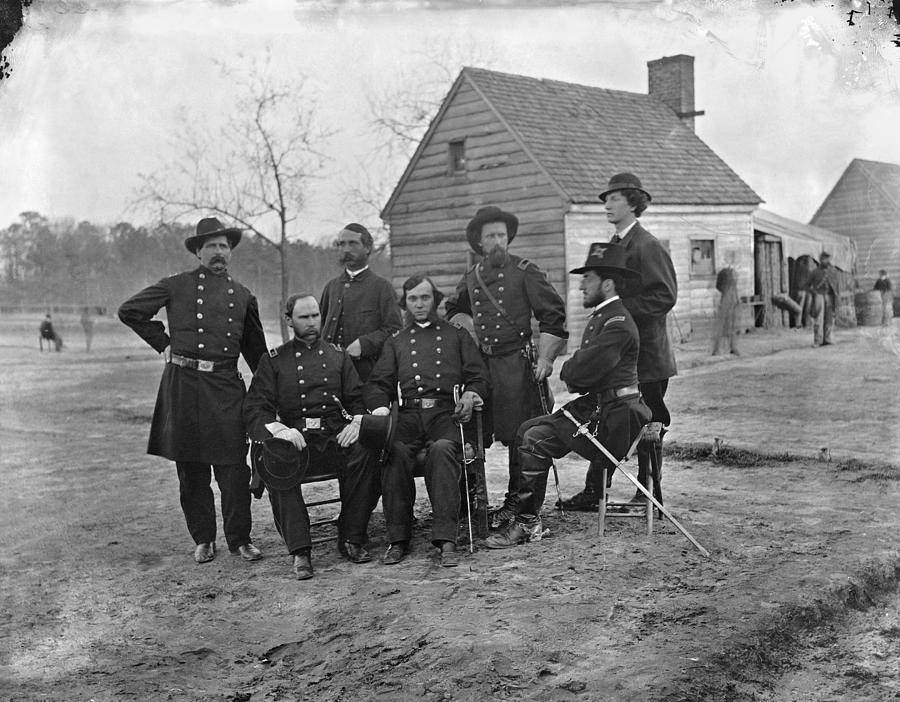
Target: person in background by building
{"type": "Point", "coordinates": [359, 309]}
{"type": "Point", "coordinates": [648, 301]}
{"type": "Point", "coordinates": [197, 422]}
{"type": "Point", "coordinates": [47, 332]}
{"type": "Point", "coordinates": [87, 324]}
{"type": "Point", "coordinates": [824, 288]}
{"type": "Point", "coordinates": [883, 285]}
{"type": "Point", "coordinates": [500, 295]}
{"type": "Point", "coordinates": [726, 318]}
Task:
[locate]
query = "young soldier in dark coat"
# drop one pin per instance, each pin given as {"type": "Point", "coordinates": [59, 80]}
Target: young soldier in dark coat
{"type": "Point", "coordinates": [292, 397]}
{"type": "Point", "coordinates": [648, 301]}
{"type": "Point", "coordinates": [825, 289]}
{"type": "Point", "coordinates": [604, 370]}
{"type": "Point", "coordinates": [359, 310]}
{"type": "Point", "coordinates": [428, 359]}
{"type": "Point", "coordinates": [197, 420]}
{"type": "Point", "coordinates": [501, 294]}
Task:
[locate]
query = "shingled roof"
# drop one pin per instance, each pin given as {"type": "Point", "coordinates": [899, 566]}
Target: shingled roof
{"type": "Point", "coordinates": [884, 177]}
{"type": "Point", "coordinates": [582, 135]}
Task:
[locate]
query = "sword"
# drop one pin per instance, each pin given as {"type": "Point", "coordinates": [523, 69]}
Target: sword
{"type": "Point", "coordinates": [583, 430]}
{"type": "Point", "coordinates": [544, 394]}
{"type": "Point", "coordinates": [465, 471]}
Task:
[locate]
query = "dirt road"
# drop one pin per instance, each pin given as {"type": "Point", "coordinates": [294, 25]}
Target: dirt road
{"type": "Point", "coordinates": [103, 601]}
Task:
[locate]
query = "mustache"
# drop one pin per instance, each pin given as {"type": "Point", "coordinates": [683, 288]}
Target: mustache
{"type": "Point", "coordinates": [218, 258]}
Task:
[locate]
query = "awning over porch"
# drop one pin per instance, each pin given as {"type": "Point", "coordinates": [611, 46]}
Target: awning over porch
{"type": "Point", "coordinates": [798, 239]}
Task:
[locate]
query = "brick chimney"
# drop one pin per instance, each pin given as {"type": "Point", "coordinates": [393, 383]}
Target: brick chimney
{"type": "Point", "coordinates": [671, 81]}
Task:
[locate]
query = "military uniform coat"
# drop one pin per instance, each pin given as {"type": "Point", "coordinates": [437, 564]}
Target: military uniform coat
{"type": "Point", "coordinates": [296, 382]}
{"type": "Point", "coordinates": [605, 361]}
{"type": "Point", "coordinates": [426, 362]}
{"type": "Point", "coordinates": [523, 290]}
{"type": "Point", "coordinates": [363, 307]}
{"type": "Point", "coordinates": [650, 301]}
{"type": "Point", "coordinates": [213, 318]}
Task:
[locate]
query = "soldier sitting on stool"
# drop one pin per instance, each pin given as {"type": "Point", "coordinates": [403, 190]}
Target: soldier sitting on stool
{"type": "Point", "coordinates": [604, 370]}
{"type": "Point", "coordinates": [427, 358]}
{"type": "Point", "coordinates": [292, 398]}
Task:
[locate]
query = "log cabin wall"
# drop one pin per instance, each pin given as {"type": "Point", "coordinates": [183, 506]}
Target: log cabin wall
{"type": "Point", "coordinates": [429, 213]}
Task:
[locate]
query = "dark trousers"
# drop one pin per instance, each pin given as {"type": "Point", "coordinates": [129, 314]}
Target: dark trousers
{"type": "Point", "coordinates": [358, 485]}
{"type": "Point", "coordinates": [200, 509]}
{"type": "Point", "coordinates": [539, 442]}
{"type": "Point", "coordinates": [434, 431]}
{"type": "Point", "coordinates": [653, 394]}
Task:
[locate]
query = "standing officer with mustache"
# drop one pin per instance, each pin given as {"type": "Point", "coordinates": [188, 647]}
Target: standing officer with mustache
{"type": "Point", "coordinates": [359, 310]}
{"type": "Point", "coordinates": [212, 319]}
{"type": "Point", "coordinates": [501, 294]}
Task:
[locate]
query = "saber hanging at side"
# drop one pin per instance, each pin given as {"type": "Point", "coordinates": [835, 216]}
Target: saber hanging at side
{"type": "Point", "coordinates": [584, 431]}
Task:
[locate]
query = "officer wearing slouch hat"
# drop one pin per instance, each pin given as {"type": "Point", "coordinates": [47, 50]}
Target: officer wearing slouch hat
{"type": "Point", "coordinates": [501, 293]}
{"type": "Point", "coordinates": [197, 423]}
{"type": "Point", "coordinates": [604, 372]}
{"type": "Point", "coordinates": [307, 394]}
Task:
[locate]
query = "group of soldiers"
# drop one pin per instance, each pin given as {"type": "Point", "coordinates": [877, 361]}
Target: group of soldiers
{"type": "Point", "coordinates": [361, 359]}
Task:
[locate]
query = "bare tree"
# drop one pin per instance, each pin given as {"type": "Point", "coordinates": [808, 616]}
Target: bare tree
{"type": "Point", "coordinates": [254, 169]}
{"type": "Point", "coordinates": [399, 116]}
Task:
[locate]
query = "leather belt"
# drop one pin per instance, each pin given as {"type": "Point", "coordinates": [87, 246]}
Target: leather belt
{"type": "Point", "coordinates": [500, 349]}
{"type": "Point", "coordinates": [201, 365]}
{"type": "Point", "coordinates": [426, 402]}
{"type": "Point", "coordinates": [310, 423]}
{"type": "Point", "coordinates": [616, 393]}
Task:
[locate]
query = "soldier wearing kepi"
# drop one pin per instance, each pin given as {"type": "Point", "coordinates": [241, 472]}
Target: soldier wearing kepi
{"type": "Point", "coordinates": [428, 359]}
{"type": "Point", "coordinates": [648, 300]}
{"type": "Point", "coordinates": [294, 397]}
{"type": "Point", "coordinates": [359, 310]}
{"type": "Point", "coordinates": [501, 294]}
{"type": "Point", "coordinates": [197, 420]}
{"type": "Point", "coordinates": [604, 371]}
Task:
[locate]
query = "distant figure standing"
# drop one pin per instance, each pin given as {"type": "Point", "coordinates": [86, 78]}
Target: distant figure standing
{"type": "Point", "coordinates": [726, 319]}
{"type": "Point", "coordinates": [48, 333]}
{"type": "Point", "coordinates": [823, 284]}
{"type": "Point", "coordinates": [87, 323]}
{"type": "Point", "coordinates": [883, 285]}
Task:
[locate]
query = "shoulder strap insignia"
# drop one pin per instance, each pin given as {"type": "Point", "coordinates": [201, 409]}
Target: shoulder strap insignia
{"type": "Point", "coordinates": [524, 263]}
{"type": "Point", "coordinates": [617, 318]}
{"type": "Point", "coordinates": [273, 353]}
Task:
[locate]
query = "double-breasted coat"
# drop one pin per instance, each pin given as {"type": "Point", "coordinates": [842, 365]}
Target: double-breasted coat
{"type": "Point", "coordinates": [522, 289]}
{"type": "Point", "coordinates": [211, 318]}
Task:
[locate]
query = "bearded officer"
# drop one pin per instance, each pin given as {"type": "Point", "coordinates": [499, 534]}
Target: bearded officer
{"type": "Point", "coordinates": [297, 395]}
{"type": "Point", "coordinates": [604, 372]}
{"type": "Point", "coordinates": [197, 420]}
{"type": "Point", "coordinates": [427, 360]}
{"type": "Point", "coordinates": [501, 294]}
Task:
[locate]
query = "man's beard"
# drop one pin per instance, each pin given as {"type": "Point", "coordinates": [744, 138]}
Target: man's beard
{"type": "Point", "coordinates": [497, 257]}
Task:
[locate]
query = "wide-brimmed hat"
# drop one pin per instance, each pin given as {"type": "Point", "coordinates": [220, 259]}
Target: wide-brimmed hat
{"type": "Point", "coordinates": [487, 215]}
{"type": "Point", "coordinates": [607, 258]}
{"type": "Point", "coordinates": [623, 181]}
{"type": "Point", "coordinates": [210, 226]}
{"type": "Point", "coordinates": [377, 432]}
{"type": "Point", "coordinates": [283, 465]}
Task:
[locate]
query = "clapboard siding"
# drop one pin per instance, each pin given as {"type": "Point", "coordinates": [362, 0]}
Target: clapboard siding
{"type": "Point", "coordinates": [859, 208]}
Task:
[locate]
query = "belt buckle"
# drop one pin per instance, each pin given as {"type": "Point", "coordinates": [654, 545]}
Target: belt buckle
{"type": "Point", "coordinates": [486, 348]}
{"type": "Point", "coordinates": [312, 423]}
{"type": "Point", "coordinates": [428, 403]}
{"type": "Point", "coordinates": [205, 366]}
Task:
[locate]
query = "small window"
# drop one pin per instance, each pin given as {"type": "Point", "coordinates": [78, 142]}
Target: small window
{"type": "Point", "coordinates": [703, 260]}
{"type": "Point", "coordinates": [457, 156]}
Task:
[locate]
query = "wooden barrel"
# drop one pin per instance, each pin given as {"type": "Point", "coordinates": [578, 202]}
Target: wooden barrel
{"type": "Point", "coordinates": [868, 308]}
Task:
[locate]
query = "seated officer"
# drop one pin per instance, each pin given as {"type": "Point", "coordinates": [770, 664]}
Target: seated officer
{"type": "Point", "coordinates": [604, 371]}
{"type": "Point", "coordinates": [297, 394]}
{"type": "Point", "coordinates": [428, 358]}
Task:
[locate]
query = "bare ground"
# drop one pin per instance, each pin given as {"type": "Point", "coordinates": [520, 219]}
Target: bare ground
{"type": "Point", "coordinates": [798, 600]}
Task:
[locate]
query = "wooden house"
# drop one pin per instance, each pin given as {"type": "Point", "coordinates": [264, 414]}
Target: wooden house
{"type": "Point", "coordinates": [864, 205]}
{"type": "Point", "coordinates": [544, 149]}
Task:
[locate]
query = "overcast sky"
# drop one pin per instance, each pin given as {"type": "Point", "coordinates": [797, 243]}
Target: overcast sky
{"type": "Point", "coordinates": [791, 92]}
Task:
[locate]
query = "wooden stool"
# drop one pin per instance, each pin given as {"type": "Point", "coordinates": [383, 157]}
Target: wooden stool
{"type": "Point", "coordinates": [650, 439]}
